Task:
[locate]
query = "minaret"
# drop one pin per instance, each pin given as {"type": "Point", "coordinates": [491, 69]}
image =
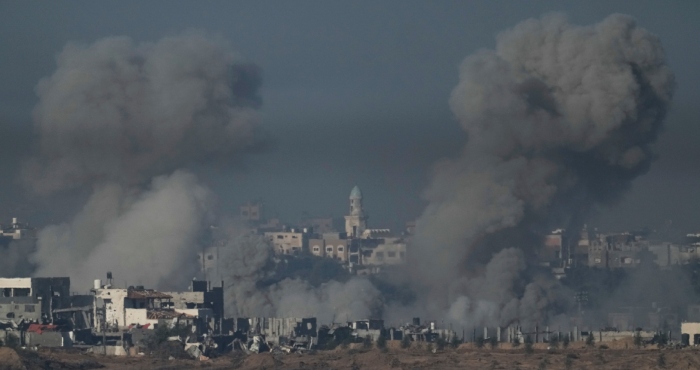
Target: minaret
{"type": "Point", "coordinates": [356, 221]}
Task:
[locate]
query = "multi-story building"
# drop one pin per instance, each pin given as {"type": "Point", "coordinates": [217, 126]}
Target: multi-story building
{"type": "Point", "coordinates": [33, 299]}
{"type": "Point", "coordinates": [331, 245]}
{"type": "Point", "coordinates": [293, 241]}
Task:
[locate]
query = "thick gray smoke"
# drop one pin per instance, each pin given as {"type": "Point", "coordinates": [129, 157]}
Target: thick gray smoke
{"type": "Point", "coordinates": [559, 117]}
{"type": "Point", "coordinates": [125, 120]}
{"type": "Point", "coordinates": [250, 260]}
{"type": "Point", "coordinates": [116, 111]}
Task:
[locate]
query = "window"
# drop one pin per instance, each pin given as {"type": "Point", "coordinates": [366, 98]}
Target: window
{"type": "Point", "coordinates": [316, 248]}
{"type": "Point", "coordinates": [340, 249]}
{"type": "Point", "coordinates": [391, 254]}
{"type": "Point", "coordinates": [597, 260]}
{"type": "Point", "coordinates": [280, 237]}
{"type": "Point", "coordinates": [210, 257]}
{"type": "Point", "coordinates": [22, 292]}
{"type": "Point", "coordinates": [329, 249]}
{"type": "Point", "coordinates": [379, 255]}
{"type": "Point", "coordinates": [28, 308]}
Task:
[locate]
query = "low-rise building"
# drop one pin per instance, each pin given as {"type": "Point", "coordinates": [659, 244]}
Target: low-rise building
{"type": "Point", "coordinates": [32, 299]}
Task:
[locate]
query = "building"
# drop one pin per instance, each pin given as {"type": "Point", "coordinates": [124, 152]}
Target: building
{"type": "Point", "coordinates": [116, 309]}
{"type": "Point", "coordinates": [201, 295]}
{"type": "Point", "coordinates": [292, 242]}
{"type": "Point", "coordinates": [332, 245]}
{"type": "Point", "coordinates": [252, 211]}
{"type": "Point", "coordinates": [17, 230]}
{"type": "Point", "coordinates": [690, 333]}
{"type": "Point", "coordinates": [621, 250]}
{"type": "Point", "coordinates": [32, 299]}
{"type": "Point", "coordinates": [320, 225]}
{"type": "Point", "coordinates": [356, 221]}
{"type": "Point", "coordinates": [381, 252]}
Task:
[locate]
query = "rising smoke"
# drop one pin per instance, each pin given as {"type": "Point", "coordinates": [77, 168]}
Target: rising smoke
{"type": "Point", "coordinates": [125, 120]}
{"type": "Point", "coordinates": [251, 262]}
{"type": "Point", "coordinates": [559, 118]}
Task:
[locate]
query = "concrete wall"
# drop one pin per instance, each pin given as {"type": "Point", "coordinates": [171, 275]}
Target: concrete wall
{"type": "Point", "coordinates": [49, 339]}
{"type": "Point", "coordinates": [18, 308]}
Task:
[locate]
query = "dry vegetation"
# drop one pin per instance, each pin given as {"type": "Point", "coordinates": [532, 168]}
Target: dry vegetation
{"type": "Point", "coordinates": [355, 357]}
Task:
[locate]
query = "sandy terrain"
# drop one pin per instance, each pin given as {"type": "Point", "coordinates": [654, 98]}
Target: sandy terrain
{"type": "Point", "coordinates": [354, 358]}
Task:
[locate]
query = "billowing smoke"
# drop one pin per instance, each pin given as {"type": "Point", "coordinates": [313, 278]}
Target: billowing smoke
{"type": "Point", "coordinates": [125, 120]}
{"type": "Point", "coordinates": [559, 118]}
{"type": "Point", "coordinates": [251, 262]}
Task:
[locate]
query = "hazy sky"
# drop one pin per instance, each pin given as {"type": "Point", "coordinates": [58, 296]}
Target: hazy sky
{"type": "Point", "coordinates": [353, 93]}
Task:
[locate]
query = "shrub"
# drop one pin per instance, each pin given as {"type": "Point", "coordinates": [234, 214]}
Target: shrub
{"type": "Point", "coordinates": [554, 342]}
{"type": "Point", "coordinates": [479, 343]}
{"type": "Point", "coordinates": [662, 360]}
{"type": "Point", "coordinates": [455, 342]}
{"type": "Point", "coordinates": [565, 342]}
{"type": "Point", "coordinates": [569, 363]}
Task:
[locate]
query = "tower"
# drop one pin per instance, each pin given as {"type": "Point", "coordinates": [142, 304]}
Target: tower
{"type": "Point", "coordinates": [356, 221]}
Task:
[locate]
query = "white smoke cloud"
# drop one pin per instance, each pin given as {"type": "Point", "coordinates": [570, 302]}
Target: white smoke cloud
{"type": "Point", "coordinates": [558, 117]}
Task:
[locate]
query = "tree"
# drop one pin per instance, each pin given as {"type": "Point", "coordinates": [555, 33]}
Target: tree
{"type": "Point", "coordinates": [565, 342]}
{"type": "Point", "coordinates": [493, 341]}
{"type": "Point", "coordinates": [554, 342]}
{"type": "Point", "coordinates": [590, 340]}
{"type": "Point", "coordinates": [381, 343]}
{"type": "Point", "coordinates": [479, 343]}
{"type": "Point", "coordinates": [440, 343]}
{"type": "Point", "coordinates": [638, 341]}
{"type": "Point", "coordinates": [516, 342]}
{"type": "Point", "coordinates": [405, 341]}
{"type": "Point", "coordinates": [367, 342]}
{"type": "Point", "coordinates": [528, 345]}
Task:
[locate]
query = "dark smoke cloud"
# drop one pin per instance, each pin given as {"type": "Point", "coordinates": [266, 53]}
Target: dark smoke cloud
{"type": "Point", "coordinates": [120, 111]}
{"type": "Point", "coordinates": [125, 120]}
{"type": "Point", "coordinates": [559, 117]}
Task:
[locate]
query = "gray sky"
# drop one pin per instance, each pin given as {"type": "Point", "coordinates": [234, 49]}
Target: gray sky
{"type": "Point", "coordinates": [353, 93]}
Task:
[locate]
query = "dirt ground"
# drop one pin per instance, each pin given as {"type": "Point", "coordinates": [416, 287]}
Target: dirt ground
{"type": "Point", "coordinates": [355, 358]}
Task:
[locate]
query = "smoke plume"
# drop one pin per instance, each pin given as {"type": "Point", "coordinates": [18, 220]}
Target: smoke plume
{"type": "Point", "coordinates": [250, 261]}
{"type": "Point", "coordinates": [125, 120]}
{"type": "Point", "coordinates": [559, 118]}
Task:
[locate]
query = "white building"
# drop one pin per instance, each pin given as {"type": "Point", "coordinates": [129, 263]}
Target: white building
{"type": "Point", "coordinates": [356, 221]}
